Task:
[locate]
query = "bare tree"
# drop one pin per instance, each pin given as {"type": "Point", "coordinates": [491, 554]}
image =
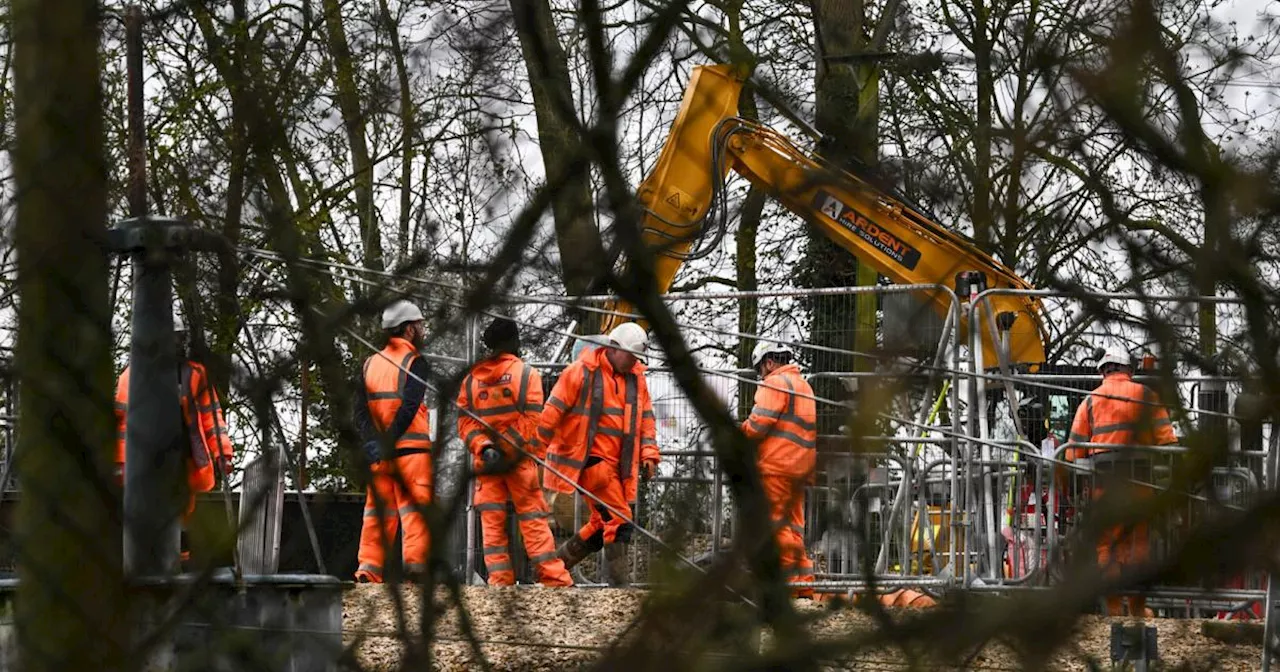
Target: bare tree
{"type": "Point", "coordinates": [560, 137]}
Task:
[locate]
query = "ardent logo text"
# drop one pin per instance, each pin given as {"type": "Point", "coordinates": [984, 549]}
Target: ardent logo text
{"type": "Point", "coordinates": [866, 229]}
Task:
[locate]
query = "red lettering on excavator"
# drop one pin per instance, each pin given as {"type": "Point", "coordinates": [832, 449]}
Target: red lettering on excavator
{"type": "Point", "coordinates": [892, 242]}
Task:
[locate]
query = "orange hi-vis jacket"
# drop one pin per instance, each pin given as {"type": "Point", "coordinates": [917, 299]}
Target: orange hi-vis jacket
{"type": "Point", "coordinates": [384, 379]}
{"type": "Point", "coordinates": [559, 438]}
{"type": "Point", "coordinates": [599, 413]}
{"type": "Point", "coordinates": [1120, 412]}
{"type": "Point", "coordinates": [202, 416]}
{"type": "Point", "coordinates": [784, 420]}
{"type": "Point", "coordinates": [506, 394]}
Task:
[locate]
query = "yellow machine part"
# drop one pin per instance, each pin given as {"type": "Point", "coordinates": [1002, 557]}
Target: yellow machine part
{"type": "Point", "coordinates": [708, 139]}
{"type": "Point", "coordinates": [939, 555]}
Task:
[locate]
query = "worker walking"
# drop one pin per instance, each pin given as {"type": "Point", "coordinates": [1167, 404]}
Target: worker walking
{"type": "Point", "coordinates": [562, 508]}
{"type": "Point", "coordinates": [601, 411]}
{"type": "Point", "coordinates": [505, 394]}
{"type": "Point", "coordinates": [1121, 412]}
{"type": "Point", "coordinates": [392, 418]}
{"type": "Point", "coordinates": [784, 421]}
{"type": "Point", "coordinates": [209, 446]}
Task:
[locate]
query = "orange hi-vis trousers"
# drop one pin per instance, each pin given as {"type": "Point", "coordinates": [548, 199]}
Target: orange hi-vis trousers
{"type": "Point", "coordinates": [601, 480]}
{"type": "Point", "coordinates": [1119, 547]}
{"type": "Point", "coordinates": [786, 511]}
{"type": "Point", "coordinates": [521, 486]}
{"type": "Point", "coordinates": [400, 495]}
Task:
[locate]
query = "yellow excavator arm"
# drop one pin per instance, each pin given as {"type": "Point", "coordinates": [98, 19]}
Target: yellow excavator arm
{"type": "Point", "coordinates": [708, 139]}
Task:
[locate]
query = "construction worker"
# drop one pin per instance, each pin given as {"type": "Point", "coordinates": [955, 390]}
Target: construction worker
{"type": "Point", "coordinates": [601, 411]}
{"type": "Point", "coordinates": [392, 418]}
{"type": "Point", "coordinates": [209, 444]}
{"type": "Point", "coordinates": [784, 421]}
{"type": "Point", "coordinates": [504, 393]}
{"type": "Point", "coordinates": [562, 508]}
{"type": "Point", "coordinates": [1121, 412]}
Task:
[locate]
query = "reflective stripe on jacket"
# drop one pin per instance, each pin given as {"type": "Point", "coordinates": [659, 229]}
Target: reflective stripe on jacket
{"type": "Point", "coordinates": [1120, 412]}
{"type": "Point", "coordinates": [596, 412]}
{"type": "Point", "coordinates": [506, 394]}
{"type": "Point", "coordinates": [384, 381]}
{"type": "Point", "coordinates": [784, 421]}
{"type": "Point", "coordinates": [207, 436]}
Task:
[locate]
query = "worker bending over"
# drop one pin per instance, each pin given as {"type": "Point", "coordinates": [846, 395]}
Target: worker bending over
{"type": "Point", "coordinates": [391, 416]}
{"type": "Point", "coordinates": [208, 444]}
{"type": "Point", "coordinates": [601, 411]}
{"type": "Point", "coordinates": [1121, 412]}
{"type": "Point", "coordinates": [505, 394]}
{"type": "Point", "coordinates": [784, 421]}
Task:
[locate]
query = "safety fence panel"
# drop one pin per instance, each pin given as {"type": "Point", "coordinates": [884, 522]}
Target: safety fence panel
{"type": "Point", "coordinates": [1030, 501]}
{"type": "Point", "coordinates": [941, 493]}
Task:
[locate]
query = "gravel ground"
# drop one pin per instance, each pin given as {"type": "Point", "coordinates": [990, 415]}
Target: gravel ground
{"type": "Point", "coordinates": [548, 629]}
{"type": "Point", "coordinates": [520, 628]}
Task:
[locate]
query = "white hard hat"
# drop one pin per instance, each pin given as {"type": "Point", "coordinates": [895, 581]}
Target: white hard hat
{"type": "Point", "coordinates": [398, 313]}
{"type": "Point", "coordinates": [766, 348]}
{"type": "Point", "coordinates": [1115, 355]}
{"type": "Point", "coordinates": [630, 336]}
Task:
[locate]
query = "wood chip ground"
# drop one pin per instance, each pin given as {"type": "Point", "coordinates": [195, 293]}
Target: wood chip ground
{"type": "Point", "coordinates": [529, 628]}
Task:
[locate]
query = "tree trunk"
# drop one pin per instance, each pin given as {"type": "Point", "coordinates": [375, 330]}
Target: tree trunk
{"type": "Point", "coordinates": [749, 222]}
{"type": "Point", "coordinates": [408, 128]}
{"type": "Point", "coordinates": [344, 76]}
{"type": "Point", "coordinates": [745, 238]}
{"type": "Point", "coordinates": [1217, 223]}
{"type": "Point", "coordinates": [225, 326]}
{"type": "Point", "coordinates": [983, 227]}
{"type": "Point", "coordinates": [576, 233]}
{"type": "Point", "coordinates": [70, 613]}
{"type": "Point", "coordinates": [847, 115]}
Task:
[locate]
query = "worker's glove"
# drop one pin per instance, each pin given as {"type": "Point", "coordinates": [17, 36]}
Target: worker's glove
{"type": "Point", "coordinates": [225, 465]}
{"type": "Point", "coordinates": [372, 452]}
{"type": "Point", "coordinates": [488, 460]}
{"type": "Point", "coordinates": [648, 469]}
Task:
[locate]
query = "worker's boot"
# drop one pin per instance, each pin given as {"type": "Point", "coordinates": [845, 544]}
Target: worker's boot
{"type": "Point", "coordinates": [615, 556]}
{"type": "Point", "coordinates": [573, 551]}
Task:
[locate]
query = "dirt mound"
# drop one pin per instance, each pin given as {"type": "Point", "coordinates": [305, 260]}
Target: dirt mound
{"type": "Point", "coordinates": [553, 629]}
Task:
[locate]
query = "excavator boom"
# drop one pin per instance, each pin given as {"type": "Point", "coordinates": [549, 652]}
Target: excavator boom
{"type": "Point", "coordinates": [708, 139]}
